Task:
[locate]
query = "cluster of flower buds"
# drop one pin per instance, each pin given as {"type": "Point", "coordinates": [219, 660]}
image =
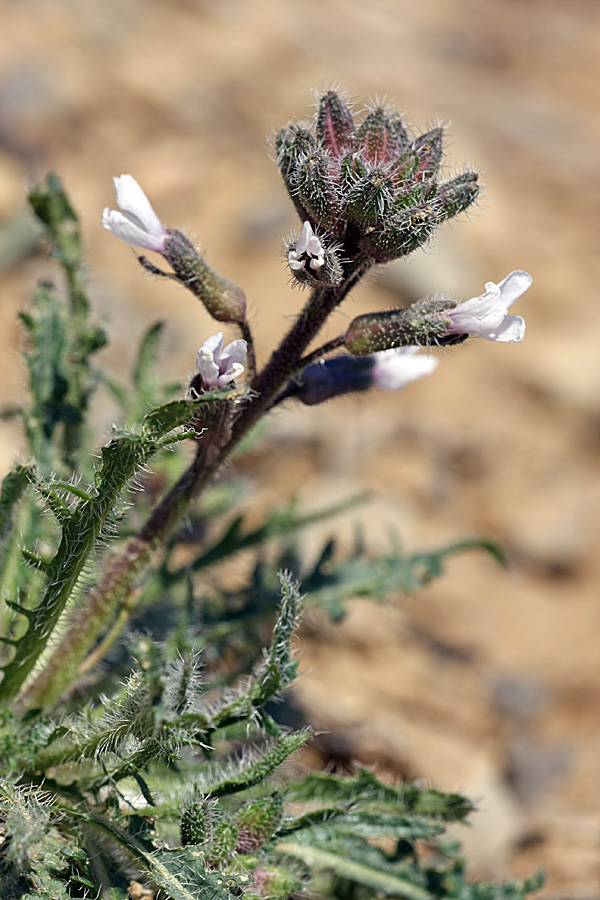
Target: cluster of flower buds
{"type": "Point", "coordinates": [390, 370]}
{"type": "Point", "coordinates": [372, 186]}
{"type": "Point", "coordinates": [438, 321]}
{"type": "Point", "coordinates": [136, 223]}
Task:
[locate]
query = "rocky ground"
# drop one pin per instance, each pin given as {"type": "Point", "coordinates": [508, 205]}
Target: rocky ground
{"type": "Point", "coordinates": [488, 682]}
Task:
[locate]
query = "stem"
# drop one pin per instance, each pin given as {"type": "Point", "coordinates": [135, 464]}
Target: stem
{"type": "Point", "coordinates": [322, 351]}
{"type": "Point", "coordinates": [115, 588]}
{"type": "Point", "coordinates": [251, 353]}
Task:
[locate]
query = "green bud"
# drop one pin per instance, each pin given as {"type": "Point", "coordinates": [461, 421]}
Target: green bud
{"type": "Point", "coordinates": [405, 233]}
{"type": "Point", "coordinates": [223, 299]}
{"type": "Point", "coordinates": [223, 845]}
{"type": "Point", "coordinates": [430, 150]}
{"type": "Point", "coordinates": [273, 883]}
{"type": "Point", "coordinates": [257, 822]}
{"type": "Point", "coordinates": [405, 168]}
{"type": "Point", "coordinates": [457, 195]}
{"type": "Point", "coordinates": [370, 200]}
{"type": "Point", "coordinates": [196, 823]}
{"type": "Point", "coordinates": [382, 136]}
{"type": "Point", "coordinates": [293, 144]}
{"type": "Point", "coordinates": [353, 169]}
{"type": "Point", "coordinates": [421, 324]}
{"type": "Point", "coordinates": [317, 192]}
{"type": "Point", "coordinates": [335, 125]}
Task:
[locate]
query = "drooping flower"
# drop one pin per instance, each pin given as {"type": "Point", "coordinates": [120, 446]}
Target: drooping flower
{"type": "Point", "coordinates": [218, 366]}
{"type": "Point", "coordinates": [136, 222]}
{"type": "Point", "coordinates": [307, 249]}
{"type": "Point", "coordinates": [394, 369]}
{"type": "Point", "coordinates": [486, 316]}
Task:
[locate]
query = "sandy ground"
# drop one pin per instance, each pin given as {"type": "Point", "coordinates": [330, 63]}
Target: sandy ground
{"type": "Point", "coordinates": [488, 682]}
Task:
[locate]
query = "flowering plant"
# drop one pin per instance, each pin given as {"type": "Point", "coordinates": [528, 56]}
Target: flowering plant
{"type": "Point", "coordinates": [132, 764]}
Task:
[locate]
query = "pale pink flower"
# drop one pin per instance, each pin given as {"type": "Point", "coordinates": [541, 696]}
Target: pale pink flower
{"type": "Point", "coordinates": [218, 367]}
{"type": "Point", "coordinates": [136, 223]}
{"type": "Point", "coordinates": [308, 248]}
{"type": "Point", "coordinates": [487, 317]}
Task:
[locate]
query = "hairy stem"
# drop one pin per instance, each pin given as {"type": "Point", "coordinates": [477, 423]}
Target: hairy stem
{"type": "Point", "coordinates": [114, 590]}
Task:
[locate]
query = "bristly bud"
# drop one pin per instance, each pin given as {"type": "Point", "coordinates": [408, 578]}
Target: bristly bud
{"type": "Point", "coordinates": [457, 195]}
{"type": "Point", "coordinates": [335, 125]}
{"type": "Point", "coordinates": [382, 137]}
{"type": "Point", "coordinates": [317, 192]}
{"type": "Point", "coordinates": [196, 822]}
{"type": "Point", "coordinates": [422, 324]}
{"type": "Point", "coordinates": [273, 883]}
{"type": "Point", "coordinates": [402, 235]}
{"type": "Point", "coordinates": [370, 200]}
{"type": "Point", "coordinates": [223, 844]}
{"type": "Point", "coordinates": [430, 150]}
{"type": "Point", "coordinates": [313, 262]}
{"type": "Point", "coordinates": [257, 822]}
{"type": "Point", "coordinates": [224, 300]}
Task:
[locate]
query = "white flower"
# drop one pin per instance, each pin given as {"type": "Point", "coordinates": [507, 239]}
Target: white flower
{"type": "Point", "coordinates": [394, 369]}
{"type": "Point", "coordinates": [487, 316]}
{"type": "Point", "coordinates": [137, 223]}
{"type": "Point", "coordinates": [308, 248]}
{"type": "Point", "coordinates": [218, 367]}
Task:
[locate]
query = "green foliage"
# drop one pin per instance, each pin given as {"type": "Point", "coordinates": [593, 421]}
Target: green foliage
{"type": "Point", "coordinates": [138, 745]}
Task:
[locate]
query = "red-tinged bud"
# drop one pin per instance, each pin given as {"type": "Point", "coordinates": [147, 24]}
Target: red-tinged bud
{"type": "Point", "coordinates": [370, 200]}
{"type": "Point", "coordinates": [457, 195]}
{"type": "Point", "coordinates": [401, 236]}
{"type": "Point", "coordinates": [335, 125]}
{"type": "Point", "coordinates": [271, 883]}
{"type": "Point", "coordinates": [257, 822]}
{"type": "Point", "coordinates": [422, 324]}
{"type": "Point", "coordinates": [224, 300]}
{"type": "Point", "coordinates": [382, 136]}
{"type": "Point", "coordinates": [318, 193]}
{"type": "Point", "coordinates": [430, 150]}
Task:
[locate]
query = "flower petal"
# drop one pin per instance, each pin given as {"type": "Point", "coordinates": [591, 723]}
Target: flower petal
{"type": "Point", "coordinates": [394, 369]}
{"type": "Point", "coordinates": [306, 235]}
{"type": "Point", "coordinates": [511, 331]}
{"type": "Point", "coordinates": [514, 285]}
{"type": "Point", "coordinates": [133, 201]}
{"type": "Point", "coordinates": [129, 231]}
{"type": "Point", "coordinates": [234, 354]}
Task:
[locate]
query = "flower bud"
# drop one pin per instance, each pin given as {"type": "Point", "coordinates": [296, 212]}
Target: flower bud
{"type": "Point", "coordinates": [421, 324]}
{"type": "Point", "coordinates": [224, 300]}
{"type": "Point", "coordinates": [405, 233]}
{"type": "Point", "coordinates": [293, 145]}
{"type": "Point", "coordinates": [257, 822]}
{"type": "Point", "coordinates": [335, 125]}
{"type": "Point", "coordinates": [429, 148]}
{"type": "Point", "coordinates": [274, 883]}
{"type": "Point", "coordinates": [195, 825]}
{"type": "Point", "coordinates": [457, 195]}
{"type": "Point", "coordinates": [317, 191]}
{"type": "Point", "coordinates": [370, 199]}
{"type": "Point", "coordinates": [382, 136]}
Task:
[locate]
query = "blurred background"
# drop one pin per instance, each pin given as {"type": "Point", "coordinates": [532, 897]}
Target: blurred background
{"type": "Point", "coordinates": [489, 681]}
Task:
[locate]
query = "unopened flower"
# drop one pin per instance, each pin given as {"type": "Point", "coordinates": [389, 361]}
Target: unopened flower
{"type": "Point", "coordinates": [136, 223]}
{"type": "Point", "coordinates": [394, 369]}
{"type": "Point", "coordinates": [307, 249]}
{"type": "Point", "coordinates": [487, 317]}
{"type": "Point", "coordinates": [218, 366]}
